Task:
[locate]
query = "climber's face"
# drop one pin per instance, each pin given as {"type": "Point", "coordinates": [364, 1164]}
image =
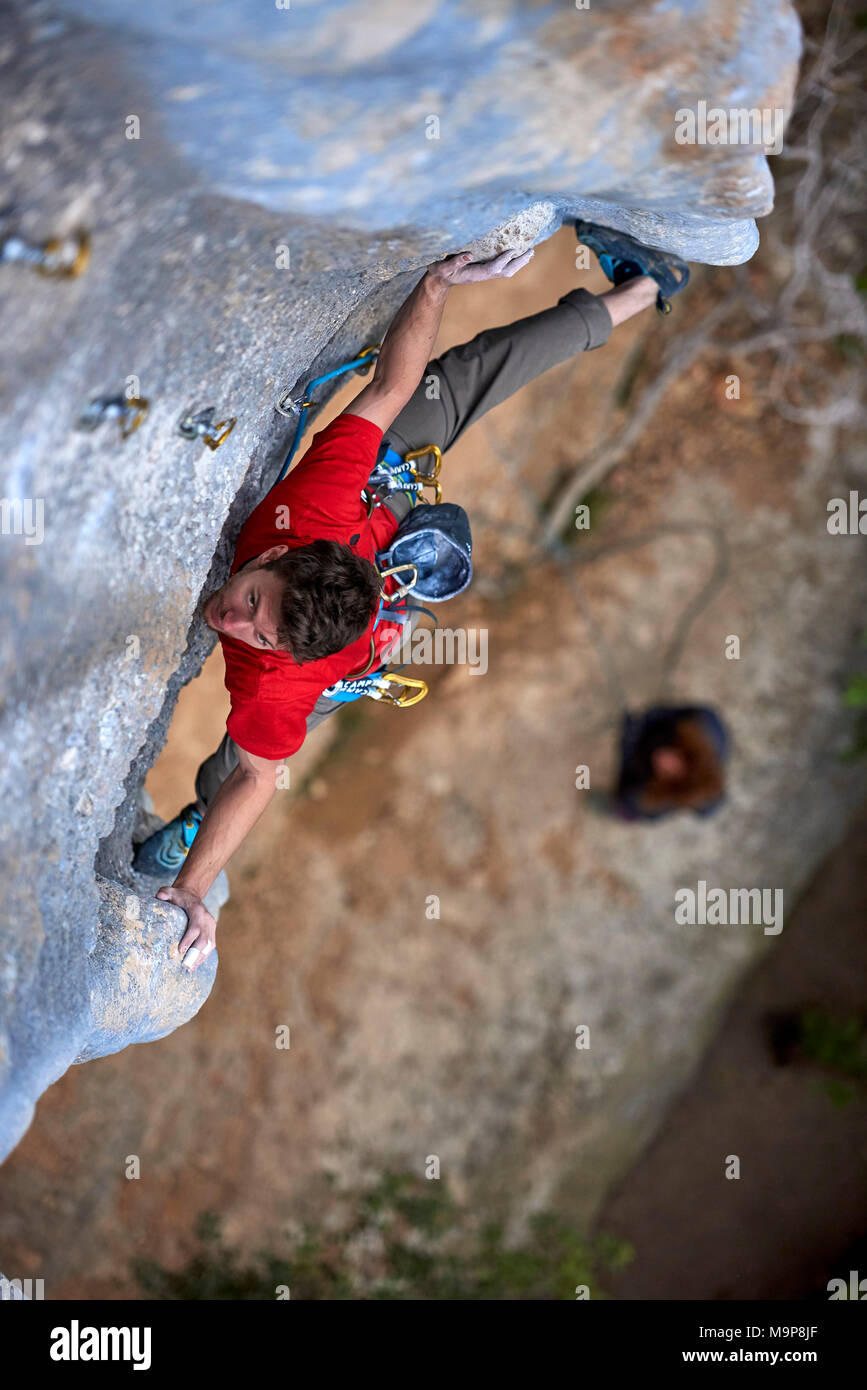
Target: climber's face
{"type": "Point", "coordinates": [248, 605]}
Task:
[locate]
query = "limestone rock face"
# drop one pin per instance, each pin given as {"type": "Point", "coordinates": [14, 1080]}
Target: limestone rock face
{"type": "Point", "coordinates": [137, 991]}
{"type": "Point", "coordinates": [450, 116]}
{"type": "Point", "coordinates": [363, 139]}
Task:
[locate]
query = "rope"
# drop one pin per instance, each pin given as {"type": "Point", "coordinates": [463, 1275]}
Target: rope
{"type": "Point", "coordinates": [301, 407]}
{"type": "Point", "coordinates": [567, 561]}
{"type": "Point", "coordinates": [674, 650]}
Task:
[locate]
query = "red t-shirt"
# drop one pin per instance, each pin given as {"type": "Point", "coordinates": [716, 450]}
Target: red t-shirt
{"type": "Point", "coordinates": [321, 498]}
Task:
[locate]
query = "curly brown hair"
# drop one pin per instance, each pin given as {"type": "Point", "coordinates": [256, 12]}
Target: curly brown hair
{"type": "Point", "coordinates": [329, 595]}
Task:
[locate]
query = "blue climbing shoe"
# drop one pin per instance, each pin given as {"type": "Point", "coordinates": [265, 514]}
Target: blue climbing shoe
{"type": "Point", "coordinates": [165, 851]}
{"type": "Point", "coordinates": [622, 258]}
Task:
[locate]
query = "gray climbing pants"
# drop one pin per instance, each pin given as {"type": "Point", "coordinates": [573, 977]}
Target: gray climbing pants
{"type": "Point", "coordinates": [471, 379]}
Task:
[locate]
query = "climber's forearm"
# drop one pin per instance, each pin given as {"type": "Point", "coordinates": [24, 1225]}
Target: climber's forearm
{"type": "Point", "coordinates": [405, 352]}
{"type": "Point", "coordinates": [408, 344]}
{"type": "Point", "coordinates": [409, 341]}
{"type": "Point", "coordinates": [228, 820]}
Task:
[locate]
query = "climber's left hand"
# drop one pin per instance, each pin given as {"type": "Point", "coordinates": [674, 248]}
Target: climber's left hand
{"type": "Point", "coordinates": [201, 933]}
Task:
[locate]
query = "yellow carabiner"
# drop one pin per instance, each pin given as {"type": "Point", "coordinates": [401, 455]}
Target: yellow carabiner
{"type": "Point", "coordinates": [140, 405]}
{"type": "Point", "coordinates": [402, 589]}
{"type": "Point", "coordinates": [76, 266]}
{"type": "Point", "coordinates": [215, 440]}
{"type": "Point", "coordinates": [355, 675]}
{"type": "Point", "coordinates": [430, 479]}
{"type": "Point", "coordinates": [367, 352]}
{"type": "Point", "coordinates": [403, 701]}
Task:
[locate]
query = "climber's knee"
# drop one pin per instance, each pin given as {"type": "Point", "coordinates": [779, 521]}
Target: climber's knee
{"type": "Point", "coordinates": [596, 319]}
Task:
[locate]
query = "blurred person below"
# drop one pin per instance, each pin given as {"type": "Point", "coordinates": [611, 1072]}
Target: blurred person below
{"type": "Point", "coordinates": [671, 759]}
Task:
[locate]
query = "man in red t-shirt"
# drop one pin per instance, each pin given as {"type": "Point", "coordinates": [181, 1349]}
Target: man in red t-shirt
{"type": "Point", "coordinates": [300, 609]}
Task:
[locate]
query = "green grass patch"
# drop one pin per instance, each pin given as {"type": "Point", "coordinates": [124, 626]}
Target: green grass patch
{"type": "Point", "coordinates": [405, 1239]}
{"type": "Point", "coordinates": [849, 346]}
{"type": "Point", "coordinates": [855, 698]}
{"type": "Point", "coordinates": [597, 501]}
{"type": "Point", "coordinates": [839, 1044]}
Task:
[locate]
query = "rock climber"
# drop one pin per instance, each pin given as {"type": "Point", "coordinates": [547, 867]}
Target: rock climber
{"type": "Point", "coordinates": [301, 606]}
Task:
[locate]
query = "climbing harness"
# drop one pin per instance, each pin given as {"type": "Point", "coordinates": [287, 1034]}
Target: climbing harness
{"type": "Point", "coordinates": [129, 410]}
{"type": "Point", "coordinates": [201, 426]}
{"type": "Point", "coordinates": [62, 258]}
{"type": "Point", "coordinates": [430, 557]}
{"type": "Point", "coordinates": [440, 545]}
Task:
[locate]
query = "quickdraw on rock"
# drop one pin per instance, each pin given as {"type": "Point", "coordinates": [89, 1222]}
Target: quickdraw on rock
{"type": "Point", "coordinates": [62, 258]}
{"type": "Point", "coordinates": [289, 406]}
{"type": "Point", "coordinates": [129, 410]}
{"type": "Point", "coordinates": [394, 472]}
{"type": "Point", "coordinates": [201, 426]}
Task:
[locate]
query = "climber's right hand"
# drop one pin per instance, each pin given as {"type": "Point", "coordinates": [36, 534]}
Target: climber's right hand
{"type": "Point", "coordinates": [201, 933]}
{"type": "Point", "coordinates": [461, 269]}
